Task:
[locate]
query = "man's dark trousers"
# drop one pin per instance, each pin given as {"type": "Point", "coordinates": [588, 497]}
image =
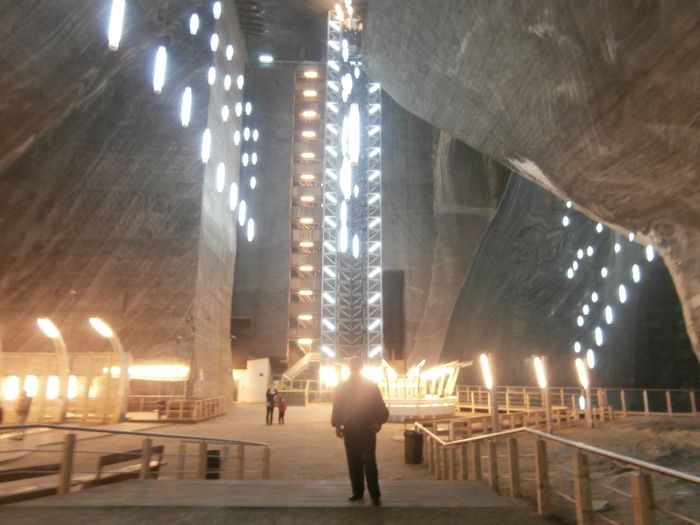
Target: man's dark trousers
{"type": "Point", "coordinates": [360, 447]}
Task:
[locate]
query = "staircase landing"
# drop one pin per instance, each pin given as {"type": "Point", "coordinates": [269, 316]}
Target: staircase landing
{"type": "Point", "coordinates": [213, 502]}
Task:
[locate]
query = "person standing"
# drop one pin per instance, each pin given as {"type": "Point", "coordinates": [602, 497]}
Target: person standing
{"type": "Point", "coordinates": [24, 406]}
{"type": "Point", "coordinates": [281, 409]}
{"type": "Point", "coordinates": [358, 415]}
{"type": "Point", "coordinates": [270, 397]}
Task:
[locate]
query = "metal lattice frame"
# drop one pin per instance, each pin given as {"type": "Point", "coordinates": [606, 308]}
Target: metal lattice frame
{"type": "Point", "coordinates": [351, 298]}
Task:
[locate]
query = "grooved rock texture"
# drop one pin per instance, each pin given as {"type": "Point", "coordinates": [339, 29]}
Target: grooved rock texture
{"type": "Point", "coordinates": [594, 101]}
{"type": "Point", "coordinates": [107, 208]}
{"type": "Point", "coordinates": [262, 267]}
{"type": "Point", "coordinates": [518, 301]}
{"type": "Point", "coordinates": [438, 199]}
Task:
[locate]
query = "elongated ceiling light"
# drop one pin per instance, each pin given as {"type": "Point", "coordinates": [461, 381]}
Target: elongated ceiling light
{"type": "Point", "coordinates": [116, 23]}
{"type": "Point", "coordinates": [159, 69]}
{"type": "Point", "coordinates": [186, 108]}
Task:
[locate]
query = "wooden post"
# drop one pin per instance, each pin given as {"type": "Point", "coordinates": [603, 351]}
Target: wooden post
{"type": "Point", "coordinates": [266, 463]}
{"type": "Point", "coordinates": [241, 462]}
{"type": "Point", "coordinates": [146, 445]}
{"type": "Point", "coordinates": [451, 430]}
{"type": "Point", "coordinates": [669, 406]}
{"type": "Point", "coordinates": [561, 396]}
{"type": "Point", "coordinates": [426, 451]}
{"type": "Point", "coordinates": [225, 457]}
{"type": "Point", "coordinates": [582, 490]}
{"type": "Point", "coordinates": [476, 460]}
{"type": "Point", "coordinates": [544, 505]}
{"type": "Point", "coordinates": [453, 463]}
{"type": "Point", "coordinates": [67, 454]}
{"type": "Point", "coordinates": [464, 455]}
{"type": "Point", "coordinates": [623, 403]}
{"type": "Point", "coordinates": [514, 467]}
{"type": "Point", "coordinates": [645, 398]}
{"type": "Point", "coordinates": [642, 499]}
{"type": "Point", "coordinates": [428, 455]}
{"type": "Point", "coordinates": [436, 459]}
{"type": "Point", "coordinates": [493, 465]}
{"type": "Point", "coordinates": [202, 464]}
{"type": "Point", "coordinates": [693, 407]}
{"type": "Point", "coordinates": [444, 463]}
{"type": "Point", "coordinates": [180, 472]}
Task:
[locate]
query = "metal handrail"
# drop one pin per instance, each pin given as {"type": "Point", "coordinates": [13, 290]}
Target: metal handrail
{"type": "Point", "coordinates": [134, 433]}
{"type": "Point", "coordinates": [645, 465]}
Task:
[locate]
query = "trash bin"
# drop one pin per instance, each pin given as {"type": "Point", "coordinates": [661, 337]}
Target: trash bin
{"type": "Point", "coordinates": [213, 464]}
{"type": "Point", "coordinates": [413, 447]}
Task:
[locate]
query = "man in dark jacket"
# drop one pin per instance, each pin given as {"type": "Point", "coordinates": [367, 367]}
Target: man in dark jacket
{"type": "Point", "coordinates": [358, 414]}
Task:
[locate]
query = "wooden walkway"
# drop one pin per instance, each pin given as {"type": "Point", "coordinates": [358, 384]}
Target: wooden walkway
{"type": "Point", "coordinates": [212, 502]}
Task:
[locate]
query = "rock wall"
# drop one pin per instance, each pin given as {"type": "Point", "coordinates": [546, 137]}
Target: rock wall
{"type": "Point", "coordinates": [107, 207]}
{"type": "Point", "coordinates": [262, 267]}
{"type": "Point", "coordinates": [518, 301]}
{"type": "Point", "coordinates": [595, 102]}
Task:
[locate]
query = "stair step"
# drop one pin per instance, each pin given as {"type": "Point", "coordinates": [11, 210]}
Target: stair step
{"type": "Point", "coordinates": [275, 501]}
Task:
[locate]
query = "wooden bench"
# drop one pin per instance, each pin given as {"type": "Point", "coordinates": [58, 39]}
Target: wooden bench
{"type": "Point", "coordinates": [130, 471]}
{"type": "Point", "coordinates": [14, 487]}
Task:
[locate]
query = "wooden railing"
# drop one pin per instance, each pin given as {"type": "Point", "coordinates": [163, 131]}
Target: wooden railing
{"type": "Point", "coordinates": [462, 459]}
{"type": "Point", "coordinates": [178, 408]}
{"type": "Point", "coordinates": [623, 401]}
{"type": "Point", "coordinates": [231, 456]}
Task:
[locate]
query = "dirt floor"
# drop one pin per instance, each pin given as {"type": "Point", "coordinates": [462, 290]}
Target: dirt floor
{"type": "Point", "coordinates": [670, 442]}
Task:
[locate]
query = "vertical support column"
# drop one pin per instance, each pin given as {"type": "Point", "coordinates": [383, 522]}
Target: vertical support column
{"type": "Point", "coordinates": [444, 463]}
{"type": "Point", "coordinates": [544, 505]}
{"type": "Point", "coordinates": [266, 463]}
{"type": "Point", "coordinates": [582, 490]}
{"type": "Point", "coordinates": [428, 452]}
{"type": "Point", "coordinates": [669, 406]}
{"type": "Point", "coordinates": [645, 398]}
{"type": "Point", "coordinates": [241, 462]}
{"type": "Point", "coordinates": [514, 468]}
{"type": "Point", "coordinates": [225, 460]}
{"type": "Point", "coordinates": [493, 466]}
{"type": "Point", "coordinates": [642, 499]}
{"type": "Point", "coordinates": [67, 454]}
{"type": "Point", "coordinates": [180, 471]}
{"type": "Point", "coordinates": [453, 462]}
{"type": "Point", "coordinates": [623, 404]}
{"type": "Point", "coordinates": [146, 446]}
{"type": "Point", "coordinates": [476, 460]}
{"type": "Point", "coordinates": [464, 455]}
{"type": "Point", "coordinates": [693, 406]}
{"type": "Point", "coordinates": [202, 461]}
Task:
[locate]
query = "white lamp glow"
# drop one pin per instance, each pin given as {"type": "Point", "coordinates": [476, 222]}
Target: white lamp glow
{"type": "Point", "coordinates": [159, 69]}
{"type": "Point", "coordinates": [250, 230]}
{"type": "Point", "coordinates": [116, 23]}
{"type": "Point", "coordinates": [485, 363]}
{"type": "Point", "coordinates": [206, 145]}
{"type": "Point", "coordinates": [101, 327]}
{"type": "Point", "coordinates": [220, 177]}
{"type": "Point", "coordinates": [186, 107]}
{"type": "Point", "coordinates": [539, 372]}
{"type": "Point", "coordinates": [194, 24]}
{"type": "Point", "coordinates": [50, 330]}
